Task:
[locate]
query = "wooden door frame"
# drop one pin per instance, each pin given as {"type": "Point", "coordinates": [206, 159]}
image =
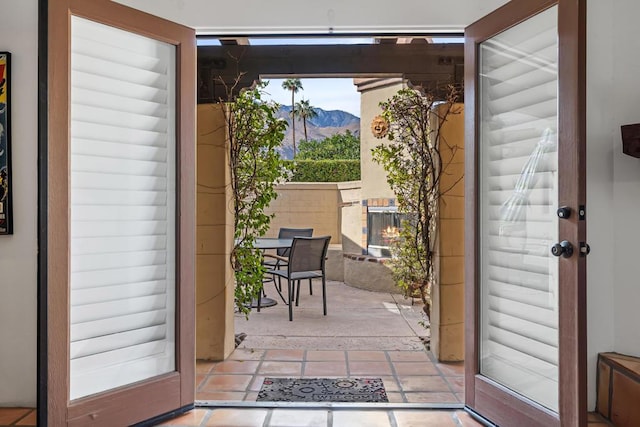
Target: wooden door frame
{"type": "Point", "coordinates": [150, 397]}
{"type": "Point", "coordinates": [500, 404]}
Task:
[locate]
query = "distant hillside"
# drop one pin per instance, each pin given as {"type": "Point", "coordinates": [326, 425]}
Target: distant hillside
{"type": "Point", "coordinates": [326, 124]}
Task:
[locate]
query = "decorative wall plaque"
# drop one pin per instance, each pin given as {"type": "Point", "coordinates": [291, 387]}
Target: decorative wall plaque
{"type": "Point", "coordinates": [379, 127]}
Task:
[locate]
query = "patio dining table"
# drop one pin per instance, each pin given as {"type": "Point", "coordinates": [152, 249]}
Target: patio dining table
{"type": "Point", "coordinates": [272, 243]}
{"type": "Point", "coordinates": [266, 243]}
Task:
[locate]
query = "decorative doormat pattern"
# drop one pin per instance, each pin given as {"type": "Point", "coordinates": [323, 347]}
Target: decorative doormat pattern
{"type": "Point", "coordinates": [322, 390]}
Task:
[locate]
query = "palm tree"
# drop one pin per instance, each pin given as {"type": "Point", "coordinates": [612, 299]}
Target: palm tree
{"type": "Point", "coordinates": [294, 85]}
{"type": "Point", "coordinates": [306, 112]}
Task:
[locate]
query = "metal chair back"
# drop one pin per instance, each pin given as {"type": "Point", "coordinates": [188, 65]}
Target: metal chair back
{"type": "Point", "coordinates": [308, 254]}
{"type": "Point", "coordinates": [290, 233]}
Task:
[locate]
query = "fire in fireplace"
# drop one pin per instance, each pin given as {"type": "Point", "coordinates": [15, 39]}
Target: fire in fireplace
{"type": "Point", "coordinates": [383, 226]}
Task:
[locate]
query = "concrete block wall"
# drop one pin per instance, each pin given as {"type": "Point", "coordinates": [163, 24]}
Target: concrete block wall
{"type": "Point", "coordinates": [447, 311]}
{"type": "Point", "coordinates": [214, 238]}
{"type": "Point", "coordinates": [307, 204]}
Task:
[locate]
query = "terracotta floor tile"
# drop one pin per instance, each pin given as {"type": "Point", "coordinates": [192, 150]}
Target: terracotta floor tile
{"type": "Point", "coordinates": [466, 420]}
{"type": "Point", "coordinates": [251, 396]}
{"type": "Point", "coordinates": [395, 397]}
{"type": "Point", "coordinates": [220, 395]}
{"type": "Point", "coordinates": [415, 368]}
{"type": "Point", "coordinates": [451, 369]}
{"type": "Point", "coordinates": [256, 383]}
{"type": "Point", "coordinates": [406, 418]}
{"type": "Point", "coordinates": [30, 420]}
{"type": "Point", "coordinates": [218, 383]}
{"type": "Point", "coordinates": [325, 369]}
{"type": "Point", "coordinates": [191, 418]}
{"type": "Point", "coordinates": [408, 356]}
{"type": "Point", "coordinates": [200, 379]}
{"type": "Point", "coordinates": [11, 415]}
{"type": "Point", "coordinates": [236, 367]}
{"type": "Point", "coordinates": [204, 366]}
{"type": "Point", "coordinates": [237, 417]}
{"type": "Point", "coordinates": [284, 355]}
{"type": "Point", "coordinates": [296, 417]}
{"type": "Point", "coordinates": [434, 397]}
{"type": "Point", "coordinates": [325, 355]}
{"type": "Point", "coordinates": [246, 354]}
{"type": "Point", "coordinates": [361, 418]}
{"type": "Point", "coordinates": [280, 368]}
{"type": "Point", "coordinates": [369, 368]}
{"type": "Point", "coordinates": [366, 356]}
{"type": "Point", "coordinates": [423, 383]}
{"type": "Point", "coordinates": [390, 383]}
{"type": "Point", "coordinates": [456, 383]}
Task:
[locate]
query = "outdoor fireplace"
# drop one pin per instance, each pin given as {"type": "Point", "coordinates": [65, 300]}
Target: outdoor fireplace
{"type": "Point", "coordinates": [383, 226]}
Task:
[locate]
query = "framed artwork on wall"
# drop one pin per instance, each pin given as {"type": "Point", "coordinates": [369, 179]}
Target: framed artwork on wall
{"type": "Point", "coordinates": [6, 217]}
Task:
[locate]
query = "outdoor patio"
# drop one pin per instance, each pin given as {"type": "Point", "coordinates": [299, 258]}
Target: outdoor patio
{"type": "Point", "coordinates": [365, 334]}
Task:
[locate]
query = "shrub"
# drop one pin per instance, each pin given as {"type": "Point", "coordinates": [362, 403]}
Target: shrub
{"type": "Point", "coordinates": [325, 170]}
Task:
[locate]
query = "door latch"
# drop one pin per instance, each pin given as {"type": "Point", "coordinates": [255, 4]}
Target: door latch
{"type": "Point", "coordinates": [563, 248]}
{"type": "Point", "coordinates": [584, 249]}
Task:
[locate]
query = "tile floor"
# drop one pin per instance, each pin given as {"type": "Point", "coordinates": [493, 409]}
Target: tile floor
{"type": "Point", "coordinates": [365, 334]}
{"type": "Point", "coordinates": [260, 417]}
{"type": "Point", "coordinates": [279, 417]}
{"type": "Point", "coordinates": [408, 376]}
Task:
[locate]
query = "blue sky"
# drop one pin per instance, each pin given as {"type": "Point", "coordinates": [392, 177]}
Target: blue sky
{"type": "Point", "coordinates": [328, 94]}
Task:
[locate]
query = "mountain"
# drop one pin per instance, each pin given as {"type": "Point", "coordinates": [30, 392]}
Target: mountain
{"type": "Point", "coordinates": [327, 123]}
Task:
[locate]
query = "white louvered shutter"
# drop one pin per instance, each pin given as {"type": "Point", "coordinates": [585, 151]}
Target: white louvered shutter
{"type": "Point", "coordinates": [123, 208]}
{"type": "Point", "coordinates": [517, 205]}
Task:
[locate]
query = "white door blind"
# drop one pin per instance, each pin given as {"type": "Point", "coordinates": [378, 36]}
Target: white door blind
{"type": "Point", "coordinates": [518, 198]}
{"type": "Point", "coordinates": [123, 208]}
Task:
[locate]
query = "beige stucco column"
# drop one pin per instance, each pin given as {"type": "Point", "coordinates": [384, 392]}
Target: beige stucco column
{"type": "Point", "coordinates": [447, 311]}
{"type": "Point", "coordinates": [214, 278]}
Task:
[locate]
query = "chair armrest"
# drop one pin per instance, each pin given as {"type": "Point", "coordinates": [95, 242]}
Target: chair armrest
{"type": "Point", "coordinates": [278, 257]}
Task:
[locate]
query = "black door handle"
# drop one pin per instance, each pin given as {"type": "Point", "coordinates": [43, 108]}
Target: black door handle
{"type": "Point", "coordinates": [563, 248]}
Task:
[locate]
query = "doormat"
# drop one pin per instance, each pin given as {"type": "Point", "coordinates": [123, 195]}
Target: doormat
{"type": "Point", "coordinates": [322, 390]}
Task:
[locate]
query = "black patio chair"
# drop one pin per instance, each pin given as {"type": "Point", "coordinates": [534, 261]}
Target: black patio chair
{"type": "Point", "coordinates": [276, 263]}
{"type": "Point", "coordinates": [306, 261]}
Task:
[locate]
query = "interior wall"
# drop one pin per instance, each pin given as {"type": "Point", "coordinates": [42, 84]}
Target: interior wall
{"type": "Point", "coordinates": [18, 260]}
{"type": "Point", "coordinates": [330, 16]}
{"type": "Point", "coordinates": [613, 181]}
{"type": "Point", "coordinates": [625, 104]}
{"type": "Point", "coordinates": [613, 178]}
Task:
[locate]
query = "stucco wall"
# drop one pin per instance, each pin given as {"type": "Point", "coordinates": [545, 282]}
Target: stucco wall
{"type": "Point", "coordinates": [18, 257]}
{"type": "Point", "coordinates": [374, 178]}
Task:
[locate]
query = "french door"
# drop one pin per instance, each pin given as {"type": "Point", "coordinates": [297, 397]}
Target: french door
{"type": "Point", "coordinates": [120, 164]}
{"type": "Point", "coordinates": [525, 178]}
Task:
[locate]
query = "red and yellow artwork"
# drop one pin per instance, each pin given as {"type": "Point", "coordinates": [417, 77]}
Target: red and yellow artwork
{"type": "Point", "coordinates": [6, 224]}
